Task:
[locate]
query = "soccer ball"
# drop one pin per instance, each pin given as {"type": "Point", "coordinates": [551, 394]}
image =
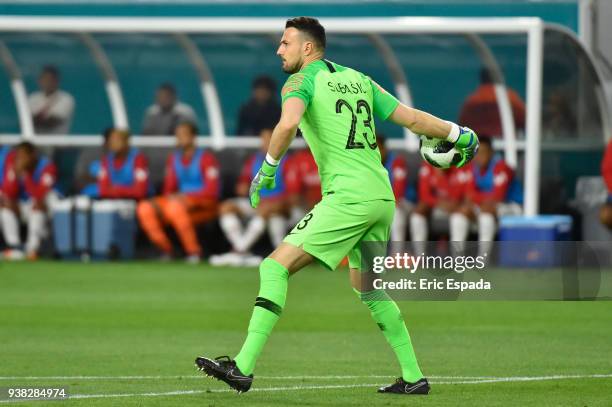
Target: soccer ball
{"type": "Point", "coordinates": [438, 152]}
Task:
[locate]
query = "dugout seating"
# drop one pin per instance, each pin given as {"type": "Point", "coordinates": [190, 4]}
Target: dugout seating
{"type": "Point", "coordinates": [211, 236]}
{"type": "Point", "coordinates": [73, 166]}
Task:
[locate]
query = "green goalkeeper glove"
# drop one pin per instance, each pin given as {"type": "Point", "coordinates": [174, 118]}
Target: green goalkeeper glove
{"type": "Point", "coordinates": [265, 178]}
{"type": "Point", "coordinates": [466, 141]}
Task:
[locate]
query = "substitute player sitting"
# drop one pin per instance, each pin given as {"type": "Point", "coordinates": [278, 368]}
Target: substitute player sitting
{"type": "Point", "coordinates": [440, 193]}
{"type": "Point", "coordinates": [190, 196]}
{"type": "Point", "coordinates": [27, 193]}
{"type": "Point", "coordinates": [335, 108]}
{"type": "Point", "coordinates": [605, 213]}
{"type": "Point", "coordinates": [7, 155]}
{"type": "Point", "coordinates": [271, 214]}
{"type": "Point", "coordinates": [124, 171]}
{"type": "Point", "coordinates": [491, 192]}
{"type": "Point", "coordinates": [6, 161]}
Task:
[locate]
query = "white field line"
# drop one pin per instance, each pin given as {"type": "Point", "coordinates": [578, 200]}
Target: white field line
{"type": "Point", "coordinates": [197, 377]}
{"type": "Point", "coordinates": [200, 391]}
{"type": "Point", "coordinates": [340, 386]}
{"type": "Point", "coordinates": [538, 378]}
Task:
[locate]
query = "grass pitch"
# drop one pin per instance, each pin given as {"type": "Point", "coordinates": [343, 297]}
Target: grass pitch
{"type": "Point", "coordinates": [127, 334]}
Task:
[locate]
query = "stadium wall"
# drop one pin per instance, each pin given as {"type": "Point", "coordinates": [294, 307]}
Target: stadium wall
{"type": "Point", "coordinates": [557, 11]}
{"type": "Point", "coordinates": [164, 61]}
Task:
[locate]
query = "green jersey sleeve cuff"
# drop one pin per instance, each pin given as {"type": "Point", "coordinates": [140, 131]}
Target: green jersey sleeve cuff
{"type": "Point", "coordinates": [384, 102]}
{"type": "Point", "coordinates": [383, 110]}
{"type": "Point", "coordinates": [305, 98]}
{"type": "Point", "coordinates": [298, 85]}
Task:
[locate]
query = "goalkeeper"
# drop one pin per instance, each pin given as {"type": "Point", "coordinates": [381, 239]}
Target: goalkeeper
{"type": "Point", "coordinates": [334, 106]}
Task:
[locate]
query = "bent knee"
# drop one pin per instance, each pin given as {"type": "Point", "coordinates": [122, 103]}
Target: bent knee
{"type": "Point", "coordinates": [605, 215]}
{"type": "Point", "coordinates": [145, 209]}
{"type": "Point", "coordinates": [173, 208]}
{"type": "Point", "coordinates": [489, 207]}
{"type": "Point", "coordinates": [422, 209]}
{"type": "Point", "coordinates": [465, 210]}
{"type": "Point", "coordinates": [227, 207]}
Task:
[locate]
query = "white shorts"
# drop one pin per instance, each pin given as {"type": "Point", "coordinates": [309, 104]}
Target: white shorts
{"type": "Point", "coordinates": [439, 214]}
{"type": "Point", "coordinates": [404, 206]}
{"type": "Point", "coordinates": [504, 209]}
{"type": "Point", "coordinates": [244, 206]}
{"type": "Point", "coordinates": [25, 207]}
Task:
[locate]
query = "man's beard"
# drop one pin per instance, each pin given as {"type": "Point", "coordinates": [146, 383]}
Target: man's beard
{"type": "Point", "coordinates": [294, 68]}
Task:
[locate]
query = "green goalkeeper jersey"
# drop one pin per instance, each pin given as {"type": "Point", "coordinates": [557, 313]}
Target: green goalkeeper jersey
{"type": "Point", "coordinates": [338, 126]}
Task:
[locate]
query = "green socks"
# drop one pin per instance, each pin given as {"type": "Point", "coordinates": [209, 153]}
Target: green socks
{"type": "Point", "coordinates": [389, 319]}
{"type": "Point", "coordinates": [271, 301]}
{"type": "Point", "coordinates": [269, 305]}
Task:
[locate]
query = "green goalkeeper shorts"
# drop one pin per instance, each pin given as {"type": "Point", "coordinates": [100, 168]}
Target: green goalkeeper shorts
{"type": "Point", "coordinates": [332, 230]}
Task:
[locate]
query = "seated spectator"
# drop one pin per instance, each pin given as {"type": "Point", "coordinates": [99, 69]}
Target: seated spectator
{"type": "Point", "coordinates": [93, 170]}
{"type": "Point", "coordinates": [28, 191]}
{"type": "Point", "coordinates": [6, 161]}
{"type": "Point", "coordinates": [51, 107]}
{"type": "Point", "coordinates": [480, 110]}
{"type": "Point", "coordinates": [162, 117]}
{"type": "Point", "coordinates": [6, 158]}
{"type": "Point", "coordinates": [491, 192]}
{"type": "Point", "coordinates": [270, 213]}
{"type": "Point", "coordinates": [124, 171]}
{"type": "Point", "coordinates": [262, 111]}
{"type": "Point", "coordinates": [398, 175]}
{"type": "Point", "coordinates": [439, 194]}
{"type": "Point", "coordinates": [605, 213]}
{"type": "Point", "coordinates": [303, 184]}
{"type": "Point", "coordinates": [559, 116]}
{"type": "Point", "coordinates": [190, 196]}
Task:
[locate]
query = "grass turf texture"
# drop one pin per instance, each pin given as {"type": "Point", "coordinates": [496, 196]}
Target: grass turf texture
{"type": "Point", "coordinates": [121, 321]}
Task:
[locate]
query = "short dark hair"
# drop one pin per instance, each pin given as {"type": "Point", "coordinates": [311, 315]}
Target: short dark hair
{"type": "Point", "coordinates": [486, 140]}
{"type": "Point", "coordinates": [26, 146]}
{"type": "Point", "coordinates": [124, 132]}
{"type": "Point", "coordinates": [193, 128]}
{"type": "Point", "coordinates": [485, 76]}
{"type": "Point", "coordinates": [167, 86]}
{"type": "Point", "coordinates": [106, 133]}
{"type": "Point", "coordinates": [264, 81]}
{"type": "Point", "coordinates": [50, 70]}
{"type": "Point", "coordinates": [311, 26]}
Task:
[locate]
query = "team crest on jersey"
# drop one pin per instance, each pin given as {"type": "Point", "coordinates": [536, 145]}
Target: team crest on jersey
{"type": "Point", "coordinates": [293, 83]}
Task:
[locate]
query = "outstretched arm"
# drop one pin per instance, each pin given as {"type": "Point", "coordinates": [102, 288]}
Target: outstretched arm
{"type": "Point", "coordinates": [420, 122]}
{"type": "Point", "coordinates": [387, 107]}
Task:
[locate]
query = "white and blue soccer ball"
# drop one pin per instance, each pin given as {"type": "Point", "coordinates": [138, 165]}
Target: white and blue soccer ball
{"type": "Point", "coordinates": [438, 152]}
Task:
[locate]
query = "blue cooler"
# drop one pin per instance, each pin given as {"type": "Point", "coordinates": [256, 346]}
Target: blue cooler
{"type": "Point", "coordinates": [532, 241]}
{"type": "Point", "coordinates": [63, 231]}
{"type": "Point", "coordinates": [82, 224]}
{"type": "Point", "coordinates": [71, 226]}
{"type": "Point", "coordinates": [114, 227]}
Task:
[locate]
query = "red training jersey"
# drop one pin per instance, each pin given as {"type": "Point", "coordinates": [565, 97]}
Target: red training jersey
{"type": "Point", "coordinates": [34, 184]}
{"type": "Point", "coordinates": [209, 167]}
{"type": "Point", "coordinates": [436, 185]}
{"type": "Point", "coordinates": [502, 176]}
{"type": "Point", "coordinates": [606, 167]}
{"type": "Point", "coordinates": [480, 111]}
{"type": "Point", "coordinates": [303, 177]}
{"type": "Point", "coordinates": [113, 189]}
